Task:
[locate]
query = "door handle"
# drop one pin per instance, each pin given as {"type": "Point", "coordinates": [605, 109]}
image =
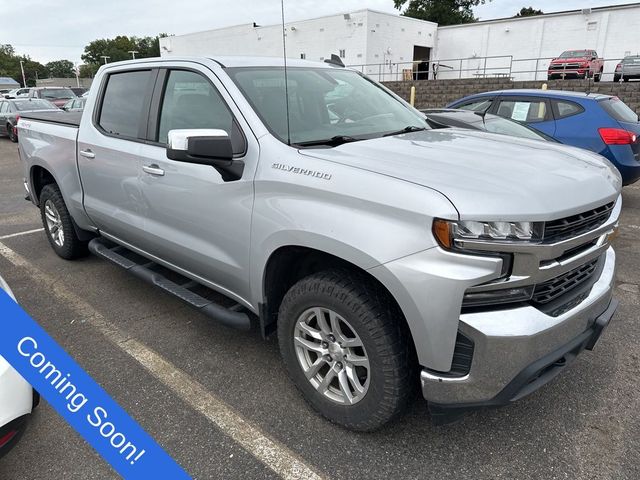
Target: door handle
{"type": "Point", "coordinates": [153, 169]}
{"type": "Point", "coordinates": [87, 153]}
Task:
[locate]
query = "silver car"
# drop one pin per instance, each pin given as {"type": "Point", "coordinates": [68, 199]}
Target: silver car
{"type": "Point", "coordinates": [627, 69]}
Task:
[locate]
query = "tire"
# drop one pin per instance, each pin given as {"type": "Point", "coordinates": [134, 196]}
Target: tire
{"type": "Point", "coordinates": [597, 76]}
{"type": "Point", "coordinates": [58, 224]}
{"type": "Point", "coordinates": [616, 78]}
{"type": "Point", "coordinates": [12, 136]}
{"type": "Point", "coordinates": [365, 315]}
{"type": "Point", "coordinates": [625, 79]}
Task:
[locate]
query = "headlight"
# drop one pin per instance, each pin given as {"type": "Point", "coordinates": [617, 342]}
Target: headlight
{"type": "Point", "coordinates": [447, 231]}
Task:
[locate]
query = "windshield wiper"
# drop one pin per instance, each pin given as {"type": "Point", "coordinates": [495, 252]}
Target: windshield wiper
{"type": "Point", "coordinates": [409, 129]}
{"type": "Point", "coordinates": [332, 142]}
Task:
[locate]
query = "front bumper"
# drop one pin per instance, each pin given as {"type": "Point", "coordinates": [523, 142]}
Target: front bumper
{"type": "Point", "coordinates": [518, 350]}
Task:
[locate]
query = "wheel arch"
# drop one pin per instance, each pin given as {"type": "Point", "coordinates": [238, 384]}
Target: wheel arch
{"type": "Point", "coordinates": [39, 176]}
{"type": "Point", "coordinates": [290, 263]}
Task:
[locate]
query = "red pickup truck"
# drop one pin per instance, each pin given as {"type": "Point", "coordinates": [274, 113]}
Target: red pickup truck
{"type": "Point", "coordinates": [576, 64]}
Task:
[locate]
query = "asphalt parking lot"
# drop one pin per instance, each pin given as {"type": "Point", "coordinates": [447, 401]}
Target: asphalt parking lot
{"type": "Point", "coordinates": [220, 403]}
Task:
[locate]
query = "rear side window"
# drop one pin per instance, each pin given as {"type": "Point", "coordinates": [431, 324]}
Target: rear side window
{"type": "Point", "coordinates": [618, 110]}
{"type": "Point", "coordinates": [567, 109]}
{"type": "Point", "coordinates": [479, 105]}
{"type": "Point", "coordinates": [123, 103]}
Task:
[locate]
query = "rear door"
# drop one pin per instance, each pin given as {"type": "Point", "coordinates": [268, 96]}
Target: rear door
{"type": "Point", "coordinates": [534, 111]}
{"type": "Point", "coordinates": [575, 125]}
{"type": "Point", "coordinates": [110, 141]}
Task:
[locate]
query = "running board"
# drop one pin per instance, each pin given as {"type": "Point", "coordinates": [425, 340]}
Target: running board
{"type": "Point", "coordinates": [230, 317]}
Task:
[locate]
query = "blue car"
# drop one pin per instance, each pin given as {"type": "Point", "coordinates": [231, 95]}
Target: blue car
{"type": "Point", "coordinates": [596, 122]}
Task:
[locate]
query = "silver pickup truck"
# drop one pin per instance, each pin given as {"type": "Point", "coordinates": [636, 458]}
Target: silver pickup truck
{"type": "Point", "coordinates": [387, 256]}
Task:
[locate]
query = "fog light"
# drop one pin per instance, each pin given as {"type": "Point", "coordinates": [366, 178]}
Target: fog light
{"type": "Point", "coordinates": [497, 297]}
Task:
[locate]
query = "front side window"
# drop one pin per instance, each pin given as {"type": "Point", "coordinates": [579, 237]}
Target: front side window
{"type": "Point", "coordinates": [123, 103]}
{"type": "Point", "coordinates": [527, 111]}
{"type": "Point", "coordinates": [324, 104]}
{"type": "Point", "coordinates": [191, 101]}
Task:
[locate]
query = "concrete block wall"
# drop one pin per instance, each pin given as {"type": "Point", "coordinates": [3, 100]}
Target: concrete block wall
{"type": "Point", "coordinates": [438, 93]}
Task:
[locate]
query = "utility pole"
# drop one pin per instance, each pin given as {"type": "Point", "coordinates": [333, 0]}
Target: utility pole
{"type": "Point", "coordinates": [24, 80]}
{"type": "Point", "coordinates": [76, 70]}
{"type": "Point", "coordinates": [133, 53]}
{"type": "Point", "coordinates": [105, 58]}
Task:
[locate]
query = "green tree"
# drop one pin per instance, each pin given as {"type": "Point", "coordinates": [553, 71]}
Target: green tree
{"type": "Point", "coordinates": [529, 12]}
{"type": "Point", "coordinates": [10, 66]}
{"type": "Point", "coordinates": [61, 69]}
{"type": "Point", "coordinates": [118, 48]}
{"type": "Point", "coordinates": [88, 70]}
{"type": "Point", "coordinates": [442, 12]}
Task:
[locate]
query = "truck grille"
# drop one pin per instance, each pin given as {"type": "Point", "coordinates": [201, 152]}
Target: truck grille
{"type": "Point", "coordinates": [556, 287]}
{"type": "Point", "coordinates": [563, 66]}
{"type": "Point", "coordinates": [575, 225]}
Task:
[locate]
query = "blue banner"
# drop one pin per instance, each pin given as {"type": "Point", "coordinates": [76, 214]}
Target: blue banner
{"type": "Point", "coordinates": [79, 399]}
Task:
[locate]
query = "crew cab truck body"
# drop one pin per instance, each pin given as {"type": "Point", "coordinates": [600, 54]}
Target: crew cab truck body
{"type": "Point", "coordinates": [577, 64]}
{"type": "Point", "coordinates": [385, 254]}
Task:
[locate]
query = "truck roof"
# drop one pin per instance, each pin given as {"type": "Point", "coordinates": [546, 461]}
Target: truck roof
{"type": "Point", "coordinates": [232, 61]}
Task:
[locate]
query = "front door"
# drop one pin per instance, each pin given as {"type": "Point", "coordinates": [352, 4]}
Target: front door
{"type": "Point", "coordinates": [193, 218]}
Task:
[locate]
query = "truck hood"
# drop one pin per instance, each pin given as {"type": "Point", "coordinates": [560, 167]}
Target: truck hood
{"type": "Point", "coordinates": [488, 176]}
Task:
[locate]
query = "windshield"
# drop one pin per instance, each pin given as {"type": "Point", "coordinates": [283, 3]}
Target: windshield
{"type": "Point", "coordinates": [34, 104]}
{"type": "Point", "coordinates": [57, 93]}
{"type": "Point", "coordinates": [495, 124]}
{"type": "Point", "coordinates": [575, 54]}
{"type": "Point", "coordinates": [324, 104]}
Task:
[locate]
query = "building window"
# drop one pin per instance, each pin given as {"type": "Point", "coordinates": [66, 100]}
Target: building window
{"type": "Point", "coordinates": [303, 56]}
{"type": "Point", "coordinates": [342, 53]}
{"type": "Point", "coordinates": [592, 25]}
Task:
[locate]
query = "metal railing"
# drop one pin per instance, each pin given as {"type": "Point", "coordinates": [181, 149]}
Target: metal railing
{"type": "Point", "coordinates": [495, 66]}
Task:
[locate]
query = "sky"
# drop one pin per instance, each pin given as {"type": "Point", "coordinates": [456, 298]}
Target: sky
{"type": "Point", "coordinates": [49, 30]}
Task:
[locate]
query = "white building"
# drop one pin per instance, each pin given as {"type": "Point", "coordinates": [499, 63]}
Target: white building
{"type": "Point", "coordinates": [379, 40]}
{"type": "Point", "coordinates": [384, 45]}
{"type": "Point", "coordinates": [613, 32]}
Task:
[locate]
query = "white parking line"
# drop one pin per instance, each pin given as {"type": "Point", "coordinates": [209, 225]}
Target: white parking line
{"type": "Point", "coordinates": [19, 234]}
{"type": "Point", "coordinates": [270, 452]}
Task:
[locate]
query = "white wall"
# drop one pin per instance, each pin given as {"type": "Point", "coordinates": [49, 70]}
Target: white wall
{"type": "Point", "coordinates": [390, 42]}
{"type": "Point", "coordinates": [613, 33]}
{"type": "Point", "coordinates": [367, 37]}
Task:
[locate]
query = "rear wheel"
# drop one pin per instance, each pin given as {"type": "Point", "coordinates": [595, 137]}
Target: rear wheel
{"type": "Point", "coordinates": [58, 224]}
{"type": "Point", "coordinates": [12, 134]}
{"type": "Point", "coordinates": [626, 79]}
{"type": "Point", "coordinates": [347, 349]}
{"type": "Point", "coordinates": [616, 78]}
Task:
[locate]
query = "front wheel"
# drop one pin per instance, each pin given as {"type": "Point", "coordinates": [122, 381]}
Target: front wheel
{"type": "Point", "coordinates": [597, 76]}
{"type": "Point", "coordinates": [616, 78]}
{"type": "Point", "coordinates": [58, 224]}
{"type": "Point", "coordinates": [347, 349]}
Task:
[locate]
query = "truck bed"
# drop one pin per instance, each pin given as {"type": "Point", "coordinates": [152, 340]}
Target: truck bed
{"type": "Point", "coordinates": [71, 119]}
